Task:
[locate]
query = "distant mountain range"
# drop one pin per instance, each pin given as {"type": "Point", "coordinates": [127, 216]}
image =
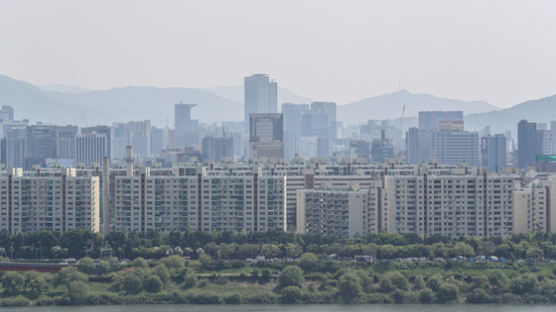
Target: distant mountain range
{"type": "Point", "coordinates": [389, 106]}
{"type": "Point", "coordinates": [74, 105]}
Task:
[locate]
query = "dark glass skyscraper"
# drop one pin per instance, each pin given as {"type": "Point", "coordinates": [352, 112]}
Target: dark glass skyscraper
{"type": "Point", "coordinates": [527, 145]}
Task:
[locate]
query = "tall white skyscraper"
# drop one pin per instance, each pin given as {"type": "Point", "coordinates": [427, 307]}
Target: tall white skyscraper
{"type": "Point", "coordinates": [261, 96]}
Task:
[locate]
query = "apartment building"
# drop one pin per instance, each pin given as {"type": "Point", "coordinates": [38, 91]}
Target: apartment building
{"type": "Point", "coordinates": [451, 205]}
{"type": "Point", "coordinates": [341, 213]}
{"type": "Point", "coordinates": [56, 201]}
{"type": "Point", "coordinates": [199, 201]}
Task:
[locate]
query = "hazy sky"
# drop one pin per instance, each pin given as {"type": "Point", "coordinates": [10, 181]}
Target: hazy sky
{"type": "Point", "coordinates": [503, 52]}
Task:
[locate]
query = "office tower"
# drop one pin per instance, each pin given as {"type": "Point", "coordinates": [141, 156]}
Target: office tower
{"type": "Point", "coordinates": [293, 128]}
{"type": "Point", "coordinates": [6, 114]}
{"type": "Point", "coordinates": [13, 148]}
{"type": "Point", "coordinates": [323, 148]}
{"type": "Point", "coordinates": [103, 130]}
{"type": "Point", "coordinates": [315, 124]}
{"type": "Point", "coordinates": [418, 145]}
{"type": "Point", "coordinates": [338, 213]}
{"type": "Point", "coordinates": [359, 149]}
{"type": "Point", "coordinates": [381, 149]}
{"type": "Point", "coordinates": [65, 141]}
{"type": "Point", "coordinates": [182, 117]}
{"type": "Point", "coordinates": [218, 148]}
{"type": "Point", "coordinates": [186, 129]}
{"type": "Point", "coordinates": [266, 136]}
{"type": "Point", "coordinates": [527, 145]}
{"type": "Point", "coordinates": [329, 109]}
{"type": "Point", "coordinates": [119, 140]}
{"type": "Point", "coordinates": [40, 145]}
{"type": "Point", "coordinates": [139, 134]}
{"type": "Point", "coordinates": [158, 140]}
{"type": "Point", "coordinates": [261, 96]}
{"type": "Point", "coordinates": [456, 146]}
{"type": "Point", "coordinates": [548, 140]}
{"type": "Point", "coordinates": [493, 152]}
{"type": "Point", "coordinates": [51, 202]}
{"type": "Point", "coordinates": [441, 120]}
{"type": "Point", "coordinates": [90, 148]}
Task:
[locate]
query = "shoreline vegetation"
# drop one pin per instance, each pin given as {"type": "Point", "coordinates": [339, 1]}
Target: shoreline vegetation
{"type": "Point", "coordinates": [270, 268]}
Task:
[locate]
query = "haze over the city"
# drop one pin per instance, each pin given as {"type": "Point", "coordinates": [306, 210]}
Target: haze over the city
{"type": "Point", "coordinates": [501, 52]}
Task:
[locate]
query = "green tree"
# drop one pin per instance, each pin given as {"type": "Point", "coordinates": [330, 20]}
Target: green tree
{"type": "Point", "coordinates": [162, 272]}
{"type": "Point", "coordinates": [173, 262]}
{"type": "Point", "coordinates": [291, 275]}
{"type": "Point", "coordinates": [386, 285]}
{"type": "Point", "coordinates": [67, 275]}
{"type": "Point", "coordinates": [419, 282]}
{"type": "Point", "coordinates": [349, 287]}
{"type": "Point", "coordinates": [463, 249]}
{"type": "Point", "coordinates": [132, 284]}
{"type": "Point", "coordinates": [190, 279]}
{"type": "Point", "coordinates": [399, 280]}
{"type": "Point", "coordinates": [309, 261]}
{"type": "Point", "coordinates": [35, 284]}
{"type": "Point", "coordinates": [499, 281]}
{"type": "Point", "coordinates": [427, 296]}
{"type": "Point", "coordinates": [434, 282]}
{"type": "Point", "coordinates": [139, 263]}
{"type": "Point", "coordinates": [478, 295]}
{"type": "Point", "coordinates": [153, 284]}
{"type": "Point", "coordinates": [13, 283]}
{"type": "Point", "coordinates": [86, 265]}
{"type": "Point", "coordinates": [78, 292]}
{"type": "Point", "coordinates": [447, 292]}
{"type": "Point", "coordinates": [290, 294]}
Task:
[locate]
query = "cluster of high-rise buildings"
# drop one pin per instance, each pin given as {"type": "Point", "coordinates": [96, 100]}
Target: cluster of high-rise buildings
{"type": "Point", "coordinates": [321, 198]}
{"type": "Point", "coordinates": [293, 170]}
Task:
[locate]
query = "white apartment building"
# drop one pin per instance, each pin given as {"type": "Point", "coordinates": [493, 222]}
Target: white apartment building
{"type": "Point", "coordinates": [251, 202]}
{"type": "Point", "coordinates": [56, 201]}
{"type": "Point", "coordinates": [341, 213]}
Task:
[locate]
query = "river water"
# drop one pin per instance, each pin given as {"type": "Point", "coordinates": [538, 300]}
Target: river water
{"type": "Point", "coordinates": [293, 308]}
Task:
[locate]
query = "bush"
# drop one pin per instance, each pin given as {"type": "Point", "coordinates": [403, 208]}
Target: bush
{"type": "Point", "coordinates": [162, 272]}
{"type": "Point", "coordinates": [427, 296]}
{"type": "Point", "coordinates": [152, 284]}
{"type": "Point", "coordinates": [478, 295]}
{"type": "Point", "coordinates": [309, 261]}
{"type": "Point", "coordinates": [265, 276]}
{"type": "Point", "coordinates": [13, 283]}
{"type": "Point", "coordinates": [15, 302]}
{"type": "Point", "coordinates": [233, 299]}
{"type": "Point", "coordinates": [399, 296]}
{"type": "Point", "coordinates": [86, 265]}
{"type": "Point", "coordinates": [139, 263]}
{"type": "Point", "coordinates": [447, 292]}
{"type": "Point", "coordinates": [190, 280]}
{"type": "Point", "coordinates": [349, 287]}
{"type": "Point", "coordinates": [291, 275]}
{"type": "Point", "coordinates": [290, 294]}
{"type": "Point", "coordinates": [206, 299]}
{"type": "Point", "coordinates": [173, 262]}
{"type": "Point", "coordinates": [78, 292]}
{"type": "Point", "coordinates": [132, 284]}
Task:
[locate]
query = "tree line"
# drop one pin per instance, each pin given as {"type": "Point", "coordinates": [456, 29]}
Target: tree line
{"type": "Point", "coordinates": [274, 244]}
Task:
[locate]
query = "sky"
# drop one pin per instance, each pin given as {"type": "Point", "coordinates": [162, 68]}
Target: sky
{"type": "Point", "coordinates": [503, 52]}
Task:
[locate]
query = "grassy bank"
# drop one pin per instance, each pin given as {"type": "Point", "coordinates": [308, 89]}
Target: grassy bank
{"type": "Point", "coordinates": [310, 280]}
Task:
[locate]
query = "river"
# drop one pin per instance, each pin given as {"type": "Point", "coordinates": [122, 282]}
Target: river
{"type": "Point", "coordinates": [293, 308]}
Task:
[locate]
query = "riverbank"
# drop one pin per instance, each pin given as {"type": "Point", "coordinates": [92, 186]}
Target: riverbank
{"type": "Point", "coordinates": [173, 280]}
